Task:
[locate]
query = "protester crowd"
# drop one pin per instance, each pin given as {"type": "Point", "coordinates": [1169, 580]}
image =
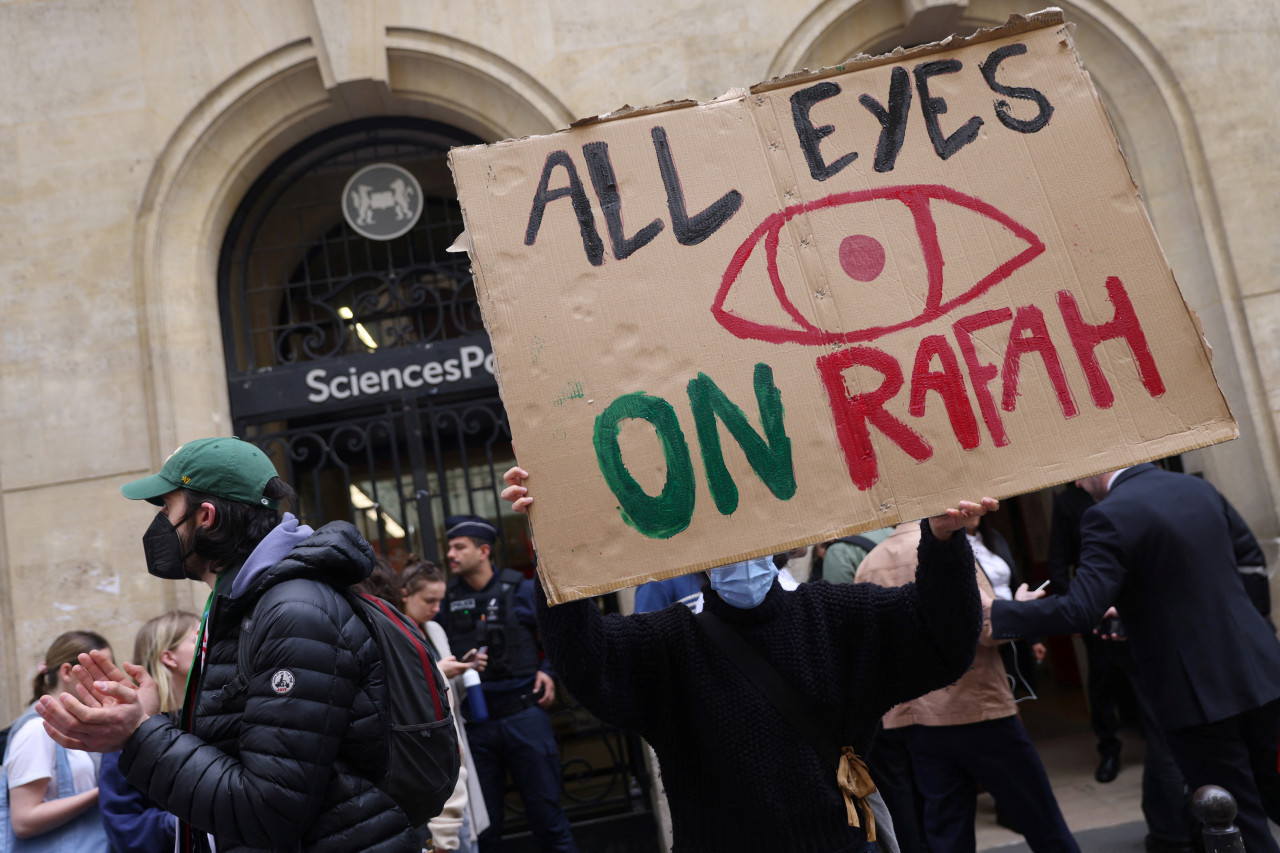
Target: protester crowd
{"type": "Point", "coordinates": [860, 710]}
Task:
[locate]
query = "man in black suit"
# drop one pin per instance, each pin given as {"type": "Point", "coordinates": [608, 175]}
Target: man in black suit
{"type": "Point", "coordinates": [1164, 548]}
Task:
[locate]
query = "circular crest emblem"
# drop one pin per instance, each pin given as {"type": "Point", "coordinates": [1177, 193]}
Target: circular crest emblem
{"type": "Point", "coordinates": [282, 681]}
{"type": "Point", "coordinates": [382, 201]}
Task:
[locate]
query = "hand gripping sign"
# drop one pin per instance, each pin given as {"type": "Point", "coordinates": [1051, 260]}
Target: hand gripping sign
{"type": "Point", "coordinates": [825, 304]}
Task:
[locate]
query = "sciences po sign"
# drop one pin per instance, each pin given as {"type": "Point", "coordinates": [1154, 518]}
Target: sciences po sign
{"type": "Point", "coordinates": [440, 367]}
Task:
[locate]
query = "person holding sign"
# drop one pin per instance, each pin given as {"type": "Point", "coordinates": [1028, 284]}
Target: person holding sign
{"type": "Point", "coordinates": [1163, 548]}
{"type": "Point", "coordinates": [740, 773]}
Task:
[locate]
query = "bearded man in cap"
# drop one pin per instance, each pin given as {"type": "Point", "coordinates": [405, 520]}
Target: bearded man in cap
{"type": "Point", "coordinates": [483, 607]}
{"type": "Point", "coordinates": [278, 756]}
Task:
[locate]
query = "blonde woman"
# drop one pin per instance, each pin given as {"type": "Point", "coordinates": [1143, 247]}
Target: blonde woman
{"type": "Point", "coordinates": [50, 793]}
{"type": "Point", "coordinates": [165, 647]}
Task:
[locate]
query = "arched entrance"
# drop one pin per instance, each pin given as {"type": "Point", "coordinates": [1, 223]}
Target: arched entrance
{"type": "Point", "coordinates": [359, 364]}
{"type": "Point", "coordinates": [362, 367]}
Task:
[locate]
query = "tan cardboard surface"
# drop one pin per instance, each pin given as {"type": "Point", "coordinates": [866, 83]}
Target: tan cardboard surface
{"type": "Point", "coordinates": [974, 304]}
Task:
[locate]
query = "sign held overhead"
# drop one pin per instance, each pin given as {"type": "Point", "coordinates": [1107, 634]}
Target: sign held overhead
{"type": "Point", "coordinates": [825, 304]}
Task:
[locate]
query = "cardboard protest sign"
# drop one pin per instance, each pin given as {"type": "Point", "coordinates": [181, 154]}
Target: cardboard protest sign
{"type": "Point", "coordinates": [825, 304]}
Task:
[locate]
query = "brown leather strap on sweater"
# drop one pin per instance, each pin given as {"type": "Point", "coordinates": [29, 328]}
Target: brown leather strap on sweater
{"type": "Point", "coordinates": [856, 785]}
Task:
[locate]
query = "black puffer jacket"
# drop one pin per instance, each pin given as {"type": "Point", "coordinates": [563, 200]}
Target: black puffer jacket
{"type": "Point", "coordinates": [273, 768]}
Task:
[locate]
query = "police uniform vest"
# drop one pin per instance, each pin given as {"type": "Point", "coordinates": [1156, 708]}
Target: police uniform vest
{"type": "Point", "coordinates": [487, 618]}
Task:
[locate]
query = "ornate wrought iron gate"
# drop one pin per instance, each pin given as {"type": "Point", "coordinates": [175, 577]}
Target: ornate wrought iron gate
{"type": "Point", "coordinates": [362, 368]}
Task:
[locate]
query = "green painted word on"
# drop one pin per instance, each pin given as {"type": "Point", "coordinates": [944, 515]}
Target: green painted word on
{"type": "Point", "coordinates": [666, 514]}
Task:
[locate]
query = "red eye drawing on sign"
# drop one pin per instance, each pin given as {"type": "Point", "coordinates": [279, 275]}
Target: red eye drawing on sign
{"type": "Point", "coordinates": [917, 280]}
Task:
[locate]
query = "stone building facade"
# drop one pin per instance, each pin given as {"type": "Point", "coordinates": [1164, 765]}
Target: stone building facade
{"type": "Point", "coordinates": [133, 132]}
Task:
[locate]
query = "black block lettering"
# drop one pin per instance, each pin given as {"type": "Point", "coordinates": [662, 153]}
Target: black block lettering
{"type": "Point", "coordinates": [1026, 93]}
{"type": "Point", "coordinates": [944, 145]}
{"type": "Point", "coordinates": [591, 241]}
{"type": "Point", "coordinates": [690, 230]}
{"type": "Point", "coordinates": [893, 121]}
{"type": "Point", "coordinates": [606, 185]}
{"type": "Point", "coordinates": [811, 137]}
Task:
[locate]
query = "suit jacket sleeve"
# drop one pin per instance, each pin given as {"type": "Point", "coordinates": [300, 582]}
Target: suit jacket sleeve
{"type": "Point", "coordinates": [1247, 550]}
{"type": "Point", "coordinates": [1250, 561]}
{"type": "Point", "coordinates": [1098, 580]}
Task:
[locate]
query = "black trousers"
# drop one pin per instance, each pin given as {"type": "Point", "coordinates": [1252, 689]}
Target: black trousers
{"type": "Point", "coordinates": [1107, 674]}
{"type": "Point", "coordinates": [1239, 754]}
{"type": "Point", "coordinates": [1166, 803]}
{"type": "Point", "coordinates": [950, 762]}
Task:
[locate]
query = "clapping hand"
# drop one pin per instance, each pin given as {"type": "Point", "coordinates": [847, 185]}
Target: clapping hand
{"type": "Point", "coordinates": [109, 705]}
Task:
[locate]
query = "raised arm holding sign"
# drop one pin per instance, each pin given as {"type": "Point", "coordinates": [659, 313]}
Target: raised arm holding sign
{"type": "Point", "coordinates": [826, 304]}
{"type": "Point", "coordinates": [736, 777]}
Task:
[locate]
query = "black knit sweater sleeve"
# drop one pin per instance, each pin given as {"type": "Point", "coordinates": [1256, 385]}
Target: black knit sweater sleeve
{"type": "Point", "coordinates": [904, 642]}
{"type": "Point", "coordinates": [610, 663]}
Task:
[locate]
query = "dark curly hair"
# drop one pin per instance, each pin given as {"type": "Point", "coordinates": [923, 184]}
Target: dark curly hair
{"type": "Point", "coordinates": [237, 527]}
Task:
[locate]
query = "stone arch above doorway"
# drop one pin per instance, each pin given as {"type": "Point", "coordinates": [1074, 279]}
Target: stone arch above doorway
{"type": "Point", "coordinates": [245, 123]}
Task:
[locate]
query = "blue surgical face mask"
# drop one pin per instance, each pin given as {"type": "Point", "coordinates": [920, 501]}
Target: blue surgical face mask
{"type": "Point", "coordinates": [744, 585]}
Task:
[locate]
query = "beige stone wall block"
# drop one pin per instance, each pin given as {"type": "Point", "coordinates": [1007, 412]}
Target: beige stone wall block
{"type": "Point", "coordinates": [1223, 58]}
{"type": "Point", "coordinates": [1263, 313]}
{"type": "Point", "coordinates": [83, 57]}
{"type": "Point", "coordinates": [711, 76]}
{"type": "Point", "coordinates": [75, 561]}
{"type": "Point", "coordinates": [473, 89]}
{"type": "Point", "coordinates": [1234, 467]}
{"type": "Point", "coordinates": [276, 22]}
{"type": "Point", "coordinates": [11, 215]}
{"type": "Point", "coordinates": [84, 174]}
{"type": "Point", "coordinates": [636, 74]}
{"type": "Point", "coordinates": [190, 48]}
{"type": "Point", "coordinates": [603, 24]}
{"type": "Point", "coordinates": [520, 32]}
{"type": "Point", "coordinates": [71, 398]}
{"type": "Point", "coordinates": [349, 38]}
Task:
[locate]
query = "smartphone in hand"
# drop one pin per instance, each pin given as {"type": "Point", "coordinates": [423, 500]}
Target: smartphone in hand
{"type": "Point", "coordinates": [1112, 627]}
{"type": "Point", "coordinates": [471, 655]}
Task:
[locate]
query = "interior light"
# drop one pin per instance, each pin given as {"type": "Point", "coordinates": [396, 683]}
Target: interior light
{"type": "Point", "coordinates": [367, 339]}
{"type": "Point", "coordinates": [394, 530]}
{"type": "Point", "coordinates": [360, 500]}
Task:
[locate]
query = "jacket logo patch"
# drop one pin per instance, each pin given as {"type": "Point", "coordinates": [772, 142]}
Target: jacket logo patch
{"type": "Point", "coordinates": [462, 604]}
{"type": "Point", "coordinates": [282, 682]}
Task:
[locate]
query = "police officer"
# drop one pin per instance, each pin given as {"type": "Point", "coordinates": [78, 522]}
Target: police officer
{"type": "Point", "coordinates": [483, 607]}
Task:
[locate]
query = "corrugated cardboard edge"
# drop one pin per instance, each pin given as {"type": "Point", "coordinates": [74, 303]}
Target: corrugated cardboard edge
{"type": "Point", "coordinates": [1016, 24]}
{"type": "Point", "coordinates": [559, 594]}
{"type": "Point", "coordinates": [1206, 347]}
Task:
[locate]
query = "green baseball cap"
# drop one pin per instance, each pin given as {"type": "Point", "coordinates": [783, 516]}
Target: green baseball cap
{"type": "Point", "coordinates": [223, 467]}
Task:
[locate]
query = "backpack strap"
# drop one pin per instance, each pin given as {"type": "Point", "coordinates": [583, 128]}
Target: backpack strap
{"type": "Point", "coordinates": [858, 541]}
{"type": "Point", "coordinates": [240, 682]}
{"type": "Point", "coordinates": [775, 688]}
{"type": "Point", "coordinates": [510, 579]}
